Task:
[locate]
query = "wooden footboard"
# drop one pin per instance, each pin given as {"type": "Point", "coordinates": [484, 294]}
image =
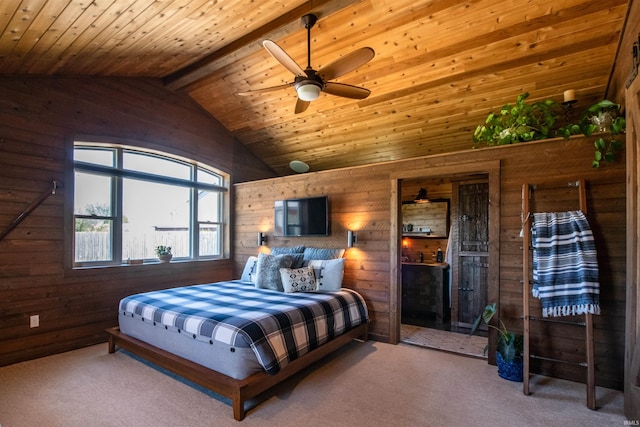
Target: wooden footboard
{"type": "Point", "coordinates": [238, 391]}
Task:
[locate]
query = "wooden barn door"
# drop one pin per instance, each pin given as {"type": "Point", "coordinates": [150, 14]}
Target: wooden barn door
{"type": "Point", "coordinates": [472, 254]}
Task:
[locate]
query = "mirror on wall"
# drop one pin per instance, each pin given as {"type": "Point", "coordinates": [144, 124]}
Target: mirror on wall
{"type": "Point", "coordinates": [426, 219]}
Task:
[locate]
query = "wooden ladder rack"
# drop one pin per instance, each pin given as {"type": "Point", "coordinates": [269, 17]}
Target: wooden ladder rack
{"type": "Point", "coordinates": [527, 190]}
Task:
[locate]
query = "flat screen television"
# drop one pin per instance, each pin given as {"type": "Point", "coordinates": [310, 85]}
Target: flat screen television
{"type": "Point", "coordinates": [302, 217]}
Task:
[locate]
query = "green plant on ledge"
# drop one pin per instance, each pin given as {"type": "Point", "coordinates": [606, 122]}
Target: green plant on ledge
{"type": "Point", "coordinates": [163, 250]}
{"type": "Point", "coordinates": [510, 345]}
{"type": "Point", "coordinates": [528, 122]}
{"type": "Point", "coordinates": [518, 123]}
{"type": "Point", "coordinates": [604, 116]}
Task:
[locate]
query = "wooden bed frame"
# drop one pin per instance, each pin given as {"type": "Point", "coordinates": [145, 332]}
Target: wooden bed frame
{"type": "Point", "coordinates": [238, 391]}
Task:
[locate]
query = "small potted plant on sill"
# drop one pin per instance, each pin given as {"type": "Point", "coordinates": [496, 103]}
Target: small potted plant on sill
{"type": "Point", "coordinates": [164, 253]}
{"type": "Point", "coordinates": [510, 346]}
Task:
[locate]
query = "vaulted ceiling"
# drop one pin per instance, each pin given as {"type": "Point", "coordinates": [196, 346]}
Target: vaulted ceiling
{"type": "Point", "coordinates": [440, 66]}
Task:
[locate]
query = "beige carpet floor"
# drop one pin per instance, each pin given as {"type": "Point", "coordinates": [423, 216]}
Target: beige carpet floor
{"type": "Point", "coordinates": [363, 384]}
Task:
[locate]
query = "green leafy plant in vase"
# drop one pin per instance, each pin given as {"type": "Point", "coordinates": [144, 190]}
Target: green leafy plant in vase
{"type": "Point", "coordinates": [603, 117]}
{"type": "Point", "coordinates": [164, 253]}
{"type": "Point", "coordinates": [510, 345]}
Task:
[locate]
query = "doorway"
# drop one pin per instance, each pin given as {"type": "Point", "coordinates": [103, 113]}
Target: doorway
{"type": "Point", "coordinates": [447, 332]}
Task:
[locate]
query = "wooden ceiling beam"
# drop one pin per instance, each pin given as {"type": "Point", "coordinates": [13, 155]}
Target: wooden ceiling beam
{"type": "Point", "coordinates": [283, 24]}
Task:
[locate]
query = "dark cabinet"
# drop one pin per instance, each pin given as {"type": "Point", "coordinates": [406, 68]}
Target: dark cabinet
{"type": "Point", "coordinates": [425, 293]}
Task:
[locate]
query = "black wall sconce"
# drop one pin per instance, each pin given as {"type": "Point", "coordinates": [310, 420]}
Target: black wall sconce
{"type": "Point", "coordinates": [352, 239]}
{"type": "Point", "coordinates": [262, 239]}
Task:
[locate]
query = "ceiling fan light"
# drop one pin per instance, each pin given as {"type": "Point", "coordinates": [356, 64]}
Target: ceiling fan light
{"type": "Point", "coordinates": [308, 92]}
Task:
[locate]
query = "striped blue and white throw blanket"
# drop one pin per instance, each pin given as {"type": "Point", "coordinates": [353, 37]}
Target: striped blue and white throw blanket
{"type": "Point", "coordinates": [565, 265]}
{"type": "Point", "coordinates": [279, 327]}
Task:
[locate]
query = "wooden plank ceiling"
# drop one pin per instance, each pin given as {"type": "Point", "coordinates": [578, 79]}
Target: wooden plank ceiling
{"type": "Point", "coordinates": [440, 66]}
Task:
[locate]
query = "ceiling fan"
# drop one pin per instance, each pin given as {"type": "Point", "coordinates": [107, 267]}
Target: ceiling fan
{"type": "Point", "coordinates": [309, 82]}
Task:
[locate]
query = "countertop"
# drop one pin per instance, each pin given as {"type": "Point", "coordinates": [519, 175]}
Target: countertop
{"type": "Point", "coordinates": [428, 264]}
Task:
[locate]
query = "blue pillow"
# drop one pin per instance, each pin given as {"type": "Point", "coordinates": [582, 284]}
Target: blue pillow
{"type": "Point", "coordinates": [298, 260]}
{"type": "Point", "coordinates": [296, 253]}
{"type": "Point", "coordinates": [287, 250]}
{"type": "Point", "coordinates": [322, 253]}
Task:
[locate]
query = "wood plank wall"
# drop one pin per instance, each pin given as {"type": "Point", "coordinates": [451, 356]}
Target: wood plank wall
{"type": "Point", "coordinates": [630, 87]}
{"type": "Point", "coordinates": [362, 198]}
{"type": "Point", "coordinates": [632, 330]}
{"type": "Point", "coordinates": [38, 115]}
{"type": "Point", "coordinates": [38, 118]}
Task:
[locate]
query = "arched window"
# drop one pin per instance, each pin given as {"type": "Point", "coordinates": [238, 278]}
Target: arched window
{"type": "Point", "coordinates": [128, 201]}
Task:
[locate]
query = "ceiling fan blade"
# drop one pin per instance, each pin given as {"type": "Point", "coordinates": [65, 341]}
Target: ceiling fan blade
{"type": "Point", "coordinates": [347, 63]}
{"type": "Point", "coordinates": [265, 89]}
{"type": "Point", "coordinates": [301, 106]}
{"type": "Point", "coordinates": [346, 91]}
{"type": "Point", "coordinates": [282, 57]}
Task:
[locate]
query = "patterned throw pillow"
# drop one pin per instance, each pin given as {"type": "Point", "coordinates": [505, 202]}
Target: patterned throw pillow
{"type": "Point", "coordinates": [298, 279]}
{"type": "Point", "coordinates": [329, 273]}
{"type": "Point", "coordinates": [268, 274]}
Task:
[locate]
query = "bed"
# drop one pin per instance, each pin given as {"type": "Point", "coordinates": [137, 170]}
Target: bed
{"type": "Point", "coordinates": [236, 338]}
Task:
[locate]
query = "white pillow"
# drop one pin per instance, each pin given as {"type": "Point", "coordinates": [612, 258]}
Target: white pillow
{"type": "Point", "coordinates": [329, 273]}
{"type": "Point", "coordinates": [249, 271]}
{"type": "Point", "coordinates": [298, 279]}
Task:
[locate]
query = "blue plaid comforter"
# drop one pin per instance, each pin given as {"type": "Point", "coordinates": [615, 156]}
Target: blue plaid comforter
{"type": "Point", "coordinates": [279, 327]}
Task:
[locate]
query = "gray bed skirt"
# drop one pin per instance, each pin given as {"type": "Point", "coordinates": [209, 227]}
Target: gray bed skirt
{"type": "Point", "coordinates": [235, 362]}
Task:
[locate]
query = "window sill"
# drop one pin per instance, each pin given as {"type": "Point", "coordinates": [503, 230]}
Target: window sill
{"type": "Point", "coordinates": [117, 268]}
